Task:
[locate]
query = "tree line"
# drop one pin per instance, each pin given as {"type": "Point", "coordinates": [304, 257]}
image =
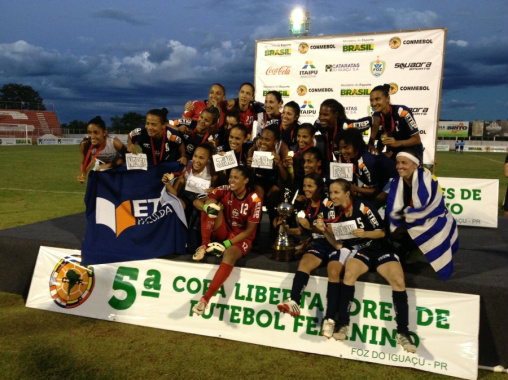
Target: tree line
{"type": "Point", "coordinates": [14, 96]}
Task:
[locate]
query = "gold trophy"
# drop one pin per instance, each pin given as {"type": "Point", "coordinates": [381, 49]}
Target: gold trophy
{"type": "Point", "coordinates": [284, 246]}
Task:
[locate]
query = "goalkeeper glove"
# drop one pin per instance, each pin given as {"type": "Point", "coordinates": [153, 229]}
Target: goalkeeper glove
{"type": "Point", "coordinates": [212, 209]}
{"type": "Point", "coordinates": [216, 249]}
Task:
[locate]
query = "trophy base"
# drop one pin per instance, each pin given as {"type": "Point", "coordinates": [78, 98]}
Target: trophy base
{"type": "Point", "coordinates": [283, 253]}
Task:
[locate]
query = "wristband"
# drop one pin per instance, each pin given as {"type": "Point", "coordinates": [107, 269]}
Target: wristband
{"type": "Point", "coordinates": [227, 243]}
{"type": "Point", "coordinates": [205, 206]}
{"type": "Point", "coordinates": [291, 170]}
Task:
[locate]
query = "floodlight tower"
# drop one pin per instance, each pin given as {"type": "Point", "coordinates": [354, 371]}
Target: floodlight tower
{"type": "Point", "coordinates": [299, 22]}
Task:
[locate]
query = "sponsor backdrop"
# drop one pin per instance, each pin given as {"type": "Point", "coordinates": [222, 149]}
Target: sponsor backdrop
{"type": "Point", "coordinates": [309, 70]}
{"type": "Point", "coordinates": [472, 201]}
{"type": "Point", "coordinates": [160, 293]}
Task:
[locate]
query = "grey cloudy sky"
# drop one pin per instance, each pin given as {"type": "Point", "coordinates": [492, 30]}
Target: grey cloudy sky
{"type": "Point", "coordinates": [109, 57]}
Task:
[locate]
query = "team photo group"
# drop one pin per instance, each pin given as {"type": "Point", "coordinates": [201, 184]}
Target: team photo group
{"type": "Point", "coordinates": [357, 205]}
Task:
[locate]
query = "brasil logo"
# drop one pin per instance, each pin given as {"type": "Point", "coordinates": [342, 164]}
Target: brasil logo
{"type": "Point", "coordinates": [71, 284]}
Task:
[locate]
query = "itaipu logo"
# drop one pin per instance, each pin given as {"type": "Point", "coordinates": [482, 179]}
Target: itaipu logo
{"type": "Point", "coordinates": [395, 42]}
{"type": "Point", "coordinates": [377, 67]}
{"type": "Point", "coordinates": [71, 284]}
{"type": "Point", "coordinates": [308, 69]}
{"type": "Point", "coordinates": [307, 108]}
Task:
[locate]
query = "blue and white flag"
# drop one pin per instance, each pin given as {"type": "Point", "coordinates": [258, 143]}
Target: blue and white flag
{"type": "Point", "coordinates": [128, 219]}
{"type": "Point", "coordinates": [428, 221]}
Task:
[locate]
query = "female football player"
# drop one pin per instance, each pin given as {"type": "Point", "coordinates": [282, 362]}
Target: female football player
{"type": "Point", "coordinates": [318, 252]}
{"type": "Point", "coordinates": [98, 147]}
{"type": "Point", "coordinates": [367, 250]}
{"type": "Point", "coordinates": [394, 123]}
{"type": "Point", "coordinates": [230, 215]}
{"type": "Point", "coordinates": [418, 217]}
{"type": "Point", "coordinates": [157, 140]}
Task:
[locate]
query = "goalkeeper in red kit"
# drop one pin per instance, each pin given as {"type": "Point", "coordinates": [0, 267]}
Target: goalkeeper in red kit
{"type": "Point", "coordinates": [230, 215]}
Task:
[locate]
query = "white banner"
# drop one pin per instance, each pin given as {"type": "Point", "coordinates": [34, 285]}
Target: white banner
{"type": "Point", "coordinates": [47, 141]}
{"type": "Point", "coordinates": [15, 141]}
{"type": "Point", "coordinates": [486, 148]}
{"type": "Point", "coordinates": [472, 201]}
{"type": "Point", "coordinates": [309, 70]}
{"type": "Point", "coordinates": [69, 141]}
{"type": "Point", "coordinates": [160, 294]}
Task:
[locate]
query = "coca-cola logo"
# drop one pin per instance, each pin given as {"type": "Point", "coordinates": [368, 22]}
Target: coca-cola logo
{"type": "Point", "coordinates": [282, 70]}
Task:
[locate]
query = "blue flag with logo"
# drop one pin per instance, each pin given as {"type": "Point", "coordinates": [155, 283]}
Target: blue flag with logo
{"type": "Point", "coordinates": [128, 219]}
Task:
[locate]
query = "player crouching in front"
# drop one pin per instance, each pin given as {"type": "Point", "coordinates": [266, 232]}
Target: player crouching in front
{"type": "Point", "coordinates": [229, 218]}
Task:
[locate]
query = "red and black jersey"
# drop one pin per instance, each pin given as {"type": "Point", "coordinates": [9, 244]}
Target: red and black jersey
{"type": "Point", "coordinates": [248, 117]}
{"type": "Point", "coordinates": [199, 106]}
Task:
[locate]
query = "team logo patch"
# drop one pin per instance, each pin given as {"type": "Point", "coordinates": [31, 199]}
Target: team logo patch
{"type": "Point", "coordinates": [71, 284]}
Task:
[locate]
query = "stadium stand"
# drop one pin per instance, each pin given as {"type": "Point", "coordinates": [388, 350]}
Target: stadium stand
{"type": "Point", "coordinates": [38, 123]}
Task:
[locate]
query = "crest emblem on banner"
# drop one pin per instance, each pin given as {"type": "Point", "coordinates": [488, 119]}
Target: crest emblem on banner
{"type": "Point", "coordinates": [377, 67]}
{"type": "Point", "coordinates": [395, 42]}
{"type": "Point", "coordinates": [394, 87]}
{"type": "Point", "coordinates": [301, 90]}
{"type": "Point", "coordinates": [303, 48]}
{"type": "Point", "coordinates": [70, 283]}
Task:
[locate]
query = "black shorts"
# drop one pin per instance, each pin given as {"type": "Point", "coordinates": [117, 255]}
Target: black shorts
{"type": "Point", "coordinates": [373, 261]}
{"type": "Point", "coordinates": [324, 251]}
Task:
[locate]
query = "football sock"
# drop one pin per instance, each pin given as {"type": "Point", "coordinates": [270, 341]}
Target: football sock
{"type": "Point", "coordinates": [299, 284]}
{"type": "Point", "coordinates": [218, 280]}
{"type": "Point", "coordinates": [207, 224]}
{"type": "Point", "coordinates": [332, 299]}
{"type": "Point", "coordinates": [347, 294]}
{"type": "Point", "coordinates": [401, 311]}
